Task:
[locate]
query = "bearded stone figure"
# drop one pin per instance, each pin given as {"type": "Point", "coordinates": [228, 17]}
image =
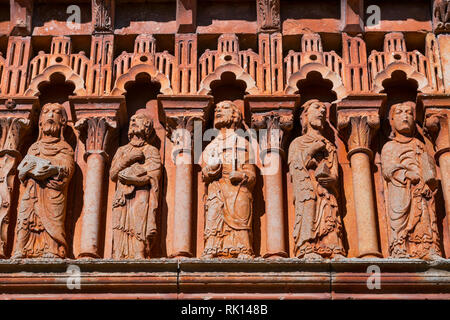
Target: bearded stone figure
{"type": "Point", "coordinates": [46, 172]}
{"type": "Point", "coordinates": [410, 175]}
{"type": "Point", "coordinates": [313, 167]}
{"type": "Point", "coordinates": [230, 179]}
{"type": "Point", "coordinates": [136, 168]}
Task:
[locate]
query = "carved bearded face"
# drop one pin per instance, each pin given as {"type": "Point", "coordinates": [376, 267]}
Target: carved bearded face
{"type": "Point", "coordinates": [402, 119]}
{"type": "Point", "coordinates": [53, 117]}
{"type": "Point", "coordinates": [226, 115]}
{"type": "Point", "coordinates": [140, 125]}
{"type": "Point", "coordinates": [315, 115]}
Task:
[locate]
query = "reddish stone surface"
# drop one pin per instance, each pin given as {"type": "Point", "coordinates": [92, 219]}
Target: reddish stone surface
{"type": "Point", "coordinates": [105, 62]}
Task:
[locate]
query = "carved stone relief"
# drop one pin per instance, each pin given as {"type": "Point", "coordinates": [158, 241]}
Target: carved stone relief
{"type": "Point", "coordinates": [230, 179]}
{"type": "Point", "coordinates": [313, 166]}
{"type": "Point", "coordinates": [136, 167]}
{"type": "Point", "coordinates": [410, 175]}
{"type": "Point", "coordinates": [46, 172]}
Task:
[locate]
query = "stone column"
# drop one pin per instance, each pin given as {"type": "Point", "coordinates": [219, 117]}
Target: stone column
{"type": "Point", "coordinates": [16, 117]}
{"type": "Point", "coordinates": [358, 120]}
{"type": "Point", "coordinates": [437, 126]}
{"type": "Point", "coordinates": [273, 116]}
{"type": "Point", "coordinates": [184, 115]}
{"type": "Point", "coordinates": [96, 126]}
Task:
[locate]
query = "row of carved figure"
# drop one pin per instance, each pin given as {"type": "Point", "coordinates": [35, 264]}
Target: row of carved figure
{"type": "Point", "coordinates": [408, 169]}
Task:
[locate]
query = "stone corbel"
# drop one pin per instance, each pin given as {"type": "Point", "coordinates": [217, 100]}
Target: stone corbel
{"type": "Point", "coordinates": [186, 16]}
{"type": "Point", "coordinates": [358, 119]}
{"type": "Point", "coordinates": [17, 115]}
{"type": "Point", "coordinates": [268, 15]}
{"type": "Point", "coordinates": [441, 16]}
{"type": "Point", "coordinates": [180, 114]}
{"type": "Point", "coordinates": [275, 115]}
{"type": "Point", "coordinates": [103, 16]}
{"type": "Point", "coordinates": [21, 12]}
{"type": "Point", "coordinates": [352, 13]}
{"type": "Point", "coordinates": [97, 121]}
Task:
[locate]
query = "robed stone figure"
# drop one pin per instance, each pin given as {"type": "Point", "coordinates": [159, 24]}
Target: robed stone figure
{"type": "Point", "coordinates": [45, 172]}
{"type": "Point", "coordinates": [410, 175]}
{"type": "Point", "coordinates": [136, 167]}
{"type": "Point", "coordinates": [313, 167]}
{"type": "Point", "coordinates": [229, 178]}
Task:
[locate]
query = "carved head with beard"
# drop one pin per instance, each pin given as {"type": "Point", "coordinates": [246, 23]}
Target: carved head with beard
{"type": "Point", "coordinates": [313, 115]}
{"type": "Point", "coordinates": [227, 115]}
{"type": "Point", "coordinates": [52, 120]}
{"type": "Point", "coordinates": [140, 126]}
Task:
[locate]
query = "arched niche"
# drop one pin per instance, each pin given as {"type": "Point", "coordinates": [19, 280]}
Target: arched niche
{"type": "Point", "coordinates": [141, 93]}
{"type": "Point", "coordinates": [132, 74]}
{"type": "Point", "coordinates": [317, 77]}
{"type": "Point", "coordinates": [56, 75]}
{"type": "Point", "coordinates": [226, 74]}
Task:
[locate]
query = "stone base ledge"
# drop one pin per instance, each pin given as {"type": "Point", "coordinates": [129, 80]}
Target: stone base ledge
{"type": "Point", "coordinates": [225, 279]}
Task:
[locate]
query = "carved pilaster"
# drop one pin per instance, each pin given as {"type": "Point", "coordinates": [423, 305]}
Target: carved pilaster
{"type": "Point", "coordinates": [16, 119]}
{"type": "Point", "coordinates": [268, 15]}
{"type": "Point", "coordinates": [12, 131]}
{"type": "Point", "coordinates": [358, 119]}
{"type": "Point", "coordinates": [96, 133]}
{"type": "Point", "coordinates": [273, 116]}
{"type": "Point", "coordinates": [441, 16]}
{"type": "Point", "coordinates": [182, 114]}
{"type": "Point", "coordinates": [98, 118]}
{"type": "Point", "coordinates": [103, 16]}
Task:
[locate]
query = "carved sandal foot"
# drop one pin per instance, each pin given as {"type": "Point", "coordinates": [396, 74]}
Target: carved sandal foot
{"type": "Point", "coordinates": [17, 255]}
{"type": "Point", "coordinates": [244, 256]}
{"type": "Point", "coordinates": [49, 255]}
{"type": "Point", "coordinates": [339, 257]}
{"type": "Point", "coordinates": [313, 256]}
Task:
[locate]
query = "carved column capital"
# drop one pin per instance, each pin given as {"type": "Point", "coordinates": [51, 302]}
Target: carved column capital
{"type": "Point", "coordinates": [97, 120]}
{"type": "Point", "coordinates": [436, 121]}
{"type": "Point", "coordinates": [180, 130]}
{"type": "Point", "coordinates": [96, 132]}
{"type": "Point", "coordinates": [358, 118]}
{"type": "Point", "coordinates": [181, 114]}
{"type": "Point", "coordinates": [358, 129]}
{"type": "Point", "coordinates": [275, 115]}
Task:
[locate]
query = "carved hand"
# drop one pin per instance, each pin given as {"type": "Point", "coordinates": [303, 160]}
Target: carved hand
{"type": "Point", "coordinates": [413, 176]}
{"type": "Point", "coordinates": [326, 181]}
{"type": "Point", "coordinates": [237, 176]}
{"type": "Point", "coordinates": [25, 168]}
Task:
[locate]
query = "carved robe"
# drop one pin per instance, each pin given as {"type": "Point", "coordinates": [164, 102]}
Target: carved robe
{"type": "Point", "coordinates": [411, 208]}
{"type": "Point", "coordinates": [318, 226]}
{"type": "Point", "coordinates": [42, 211]}
{"type": "Point", "coordinates": [135, 202]}
{"type": "Point", "coordinates": [228, 219]}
